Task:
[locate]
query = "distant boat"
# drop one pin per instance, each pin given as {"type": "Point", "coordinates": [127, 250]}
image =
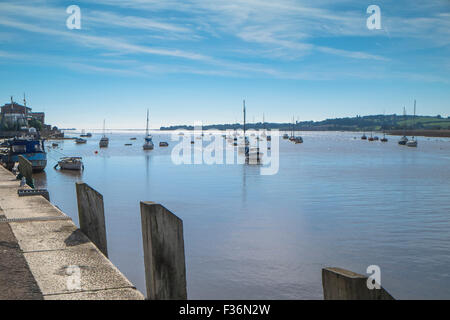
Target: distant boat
{"type": "Point", "coordinates": [298, 140]}
{"type": "Point", "coordinates": [32, 149]}
{"type": "Point", "coordinates": [88, 135]}
{"type": "Point", "coordinates": [364, 137]}
{"type": "Point", "coordinates": [371, 138]}
{"type": "Point", "coordinates": [104, 141]}
{"type": "Point", "coordinates": [148, 145]}
{"type": "Point", "coordinates": [133, 138]}
{"type": "Point", "coordinates": [376, 138]}
{"type": "Point", "coordinates": [384, 139]}
{"type": "Point", "coordinates": [163, 144]}
{"type": "Point", "coordinates": [80, 140]}
{"type": "Point", "coordinates": [128, 144]}
{"type": "Point", "coordinates": [242, 147]}
{"type": "Point", "coordinates": [413, 141]}
{"type": "Point", "coordinates": [70, 163]}
{"type": "Point", "coordinates": [54, 144]}
{"type": "Point", "coordinates": [403, 140]}
{"type": "Point", "coordinates": [285, 136]}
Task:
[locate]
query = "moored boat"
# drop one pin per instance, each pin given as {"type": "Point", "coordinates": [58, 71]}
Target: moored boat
{"type": "Point", "coordinates": [32, 149]}
{"type": "Point", "coordinates": [70, 163]}
{"type": "Point", "coordinates": [148, 145]}
{"type": "Point", "coordinates": [104, 141]}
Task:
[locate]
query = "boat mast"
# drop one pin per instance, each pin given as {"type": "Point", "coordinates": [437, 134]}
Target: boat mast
{"type": "Point", "coordinates": [244, 120]}
{"type": "Point", "coordinates": [414, 118]}
{"type": "Point", "coordinates": [292, 126]}
{"type": "Point", "coordinates": [146, 128]}
{"type": "Point", "coordinates": [104, 128]}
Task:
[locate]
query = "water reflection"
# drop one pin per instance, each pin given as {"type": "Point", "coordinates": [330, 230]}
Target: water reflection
{"type": "Point", "coordinates": [335, 201]}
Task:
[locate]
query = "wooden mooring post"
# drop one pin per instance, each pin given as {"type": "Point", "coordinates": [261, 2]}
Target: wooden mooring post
{"type": "Point", "coordinates": [91, 215]}
{"type": "Point", "coordinates": [341, 284]}
{"type": "Point", "coordinates": [165, 269]}
{"type": "Point", "coordinates": [26, 170]}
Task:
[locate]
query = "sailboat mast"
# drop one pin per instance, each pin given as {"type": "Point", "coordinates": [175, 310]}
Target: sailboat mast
{"type": "Point", "coordinates": [244, 118]}
{"type": "Point", "coordinates": [103, 127]}
{"type": "Point", "coordinates": [414, 111]}
{"type": "Point", "coordinates": [146, 128]}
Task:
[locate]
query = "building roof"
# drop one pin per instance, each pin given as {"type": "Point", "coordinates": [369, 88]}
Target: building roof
{"type": "Point", "coordinates": [7, 106]}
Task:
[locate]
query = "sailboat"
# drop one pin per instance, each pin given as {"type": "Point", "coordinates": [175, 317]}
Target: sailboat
{"type": "Point", "coordinates": [244, 146]}
{"type": "Point", "coordinates": [384, 139]}
{"type": "Point", "coordinates": [104, 141]}
{"type": "Point", "coordinates": [291, 138]}
{"type": "Point", "coordinates": [148, 145]}
{"type": "Point", "coordinates": [297, 139]}
{"type": "Point", "coordinates": [403, 140]}
{"type": "Point", "coordinates": [364, 137]}
{"type": "Point", "coordinates": [413, 142]}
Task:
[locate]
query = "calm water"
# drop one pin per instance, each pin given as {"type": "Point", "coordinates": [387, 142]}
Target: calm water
{"type": "Point", "coordinates": [335, 201]}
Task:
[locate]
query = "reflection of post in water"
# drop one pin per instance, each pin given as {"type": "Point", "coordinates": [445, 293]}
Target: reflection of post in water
{"type": "Point", "coordinates": [40, 180]}
{"type": "Point", "coordinates": [147, 169]}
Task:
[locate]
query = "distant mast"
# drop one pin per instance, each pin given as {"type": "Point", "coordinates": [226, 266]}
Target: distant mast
{"type": "Point", "coordinates": [244, 118]}
{"type": "Point", "coordinates": [146, 129]}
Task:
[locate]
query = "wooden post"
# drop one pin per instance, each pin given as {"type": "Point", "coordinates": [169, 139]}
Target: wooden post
{"type": "Point", "coordinates": [26, 170]}
{"type": "Point", "coordinates": [91, 214]}
{"type": "Point", "coordinates": [341, 284]}
{"type": "Point", "coordinates": [165, 269]}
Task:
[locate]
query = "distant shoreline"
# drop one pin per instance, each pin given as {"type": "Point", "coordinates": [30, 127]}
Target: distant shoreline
{"type": "Point", "coordinates": [421, 133]}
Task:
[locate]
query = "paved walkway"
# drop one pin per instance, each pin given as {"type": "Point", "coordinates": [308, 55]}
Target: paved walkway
{"type": "Point", "coordinates": [42, 252]}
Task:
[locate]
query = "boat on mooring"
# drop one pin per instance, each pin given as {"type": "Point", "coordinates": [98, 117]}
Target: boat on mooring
{"type": "Point", "coordinates": [413, 141]}
{"type": "Point", "coordinates": [30, 148]}
{"type": "Point", "coordinates": [80, 140]}
{"type": "Point", "coordinates": [163, 144]}
{"type": "Point", "coordinates": [70, 163]}
{"type": "Point", "coordinates": [403, 140]}
{"type": "Point", "coordinates": [104, 141]}
{"type": "Point", "coordinates": [148, 145]}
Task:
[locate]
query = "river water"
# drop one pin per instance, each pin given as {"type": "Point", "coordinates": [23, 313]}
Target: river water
{"type": "Point", "coordinates": [335, 201]}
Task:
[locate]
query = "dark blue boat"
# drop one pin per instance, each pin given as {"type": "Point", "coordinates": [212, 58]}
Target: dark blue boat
{"type": "Point", "coordinates": [31, 149]}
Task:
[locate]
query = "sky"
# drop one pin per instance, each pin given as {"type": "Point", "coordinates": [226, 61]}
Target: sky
{"type": "Point", "coordinates": [196, 60]}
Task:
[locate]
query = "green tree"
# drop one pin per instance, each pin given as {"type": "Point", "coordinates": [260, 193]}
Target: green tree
{"type": "Point", "coordinates": [34, 123]}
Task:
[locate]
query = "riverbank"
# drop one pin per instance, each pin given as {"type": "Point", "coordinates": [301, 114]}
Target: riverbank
{"type": "Point", "coordinates": [45, 256]}
{"type": "Point", "coordinates": [421, 133]}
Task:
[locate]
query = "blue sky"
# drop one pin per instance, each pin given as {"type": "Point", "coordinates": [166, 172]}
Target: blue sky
{"type": "Point", "coordinates": [195, 60]}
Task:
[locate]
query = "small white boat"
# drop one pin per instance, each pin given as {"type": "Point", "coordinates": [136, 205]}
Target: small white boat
{"type": "Point", "coordinates": [412, 143]}
{"type": "Point", "coordinates": [70, 163]}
